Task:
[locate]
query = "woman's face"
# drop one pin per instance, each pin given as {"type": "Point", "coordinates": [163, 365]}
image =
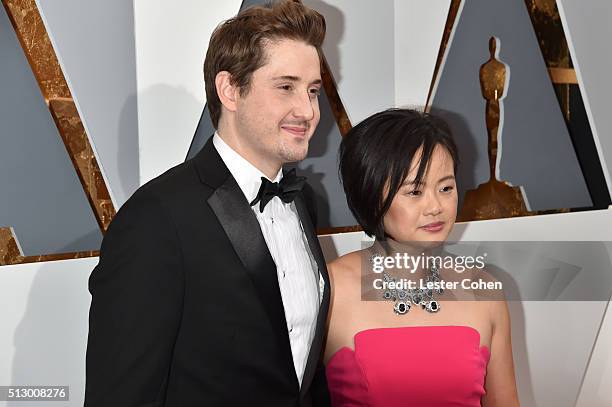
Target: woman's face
{"type": "Point", "coordinates": [425, 212]}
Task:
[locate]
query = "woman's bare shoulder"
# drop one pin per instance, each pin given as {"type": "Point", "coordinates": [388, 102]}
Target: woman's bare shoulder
{"type": "Point", "coordinates": [346, 268]}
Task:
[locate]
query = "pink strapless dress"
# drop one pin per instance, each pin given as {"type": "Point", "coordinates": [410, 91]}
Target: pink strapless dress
{"type": "Point", "coordinates": [424, 366]}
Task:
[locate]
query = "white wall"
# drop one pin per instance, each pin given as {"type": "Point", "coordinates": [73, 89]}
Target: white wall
{"type": "Point", "coordinates": [419, 26]}
{"type": "Point", "coordinates": [44, 309]}
{"type": "Point", "coordinates": [171, 42]}
{"type": "Point", "coordinates": [595, 390]}
{"type": "Point", "coordinates": [359, 47]}
{"type": "Point", "coordinates": [588, 31]}
{"type": "Point", "coordinates": [393, 63]}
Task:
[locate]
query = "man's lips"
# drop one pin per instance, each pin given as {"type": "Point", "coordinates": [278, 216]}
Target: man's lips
{"type": "Point", "coordinates": [433, 227]}
{"type": "Point", "coordinates": [295, 130]}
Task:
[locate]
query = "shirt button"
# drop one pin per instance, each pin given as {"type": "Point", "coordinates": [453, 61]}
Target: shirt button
{"type": "Point", "coordinates": [272, 220]}
{"type": "Point", "coordinates": [283, 273]}
{"type": "Point", "coordinates": [291, 330]}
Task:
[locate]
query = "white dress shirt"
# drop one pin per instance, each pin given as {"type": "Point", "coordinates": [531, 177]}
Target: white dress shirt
{"type": "Point", "coordinates": [296, 269]}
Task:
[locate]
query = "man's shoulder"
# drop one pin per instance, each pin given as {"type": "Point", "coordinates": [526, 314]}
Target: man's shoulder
{"type": "Point", "coordinates": [176, 186]}
{"type": "Point", "coordinates": [172, 180]}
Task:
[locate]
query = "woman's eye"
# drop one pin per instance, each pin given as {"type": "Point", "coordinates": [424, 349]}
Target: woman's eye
{"type": "Point", "coordinates": [448, 188]}
{"type": "Point", "coordinates": [414, 193]}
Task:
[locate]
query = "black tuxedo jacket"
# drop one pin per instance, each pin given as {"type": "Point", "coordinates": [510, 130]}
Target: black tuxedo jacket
{"type": "Point", "coordinates": [186, 308]}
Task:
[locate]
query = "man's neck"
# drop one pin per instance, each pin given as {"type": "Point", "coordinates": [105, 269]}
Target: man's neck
{"type": "Point", "coordinates": [268, 168]}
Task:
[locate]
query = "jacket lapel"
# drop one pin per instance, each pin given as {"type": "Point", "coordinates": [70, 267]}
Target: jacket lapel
{"type": "Point", "coordinates": [317, 344]}
{"type": "Point", "coordinates": [242, 229]}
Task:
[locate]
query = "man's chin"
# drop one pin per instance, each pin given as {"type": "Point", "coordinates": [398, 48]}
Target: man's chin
{"type": "Point", "coordinates": [293, 159]}
{"type": "Point", "coordinates": [291, 155]}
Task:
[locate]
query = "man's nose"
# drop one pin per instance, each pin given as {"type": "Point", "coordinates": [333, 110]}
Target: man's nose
{"type": "Point", "coordinates": [305, 106]}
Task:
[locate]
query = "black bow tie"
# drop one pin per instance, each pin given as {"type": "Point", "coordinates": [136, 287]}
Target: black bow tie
{"type": "Point", "coordinates": [286, 190]}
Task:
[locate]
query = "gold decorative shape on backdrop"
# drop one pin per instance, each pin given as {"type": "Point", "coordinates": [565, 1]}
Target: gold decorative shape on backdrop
{"type": "Point", "coordinates": [342, 121]}
{"type": "Point", "coordinates": [493, 199]}
{"type": "Point", "coordinates": [37, 47]}
{"type": "Point", "coordinates": [344, 125]}
{"type": "Point", "coordinates": [34, 40]}
{"type": "Point", "coordinates": [453, 11]}
{"type": "Point", "coordinates": [9, 250]}
{"type": "Point", "coordinates": [546, 22]}
{"type": "Point", "coordinates": [548, 27]}
{"type": "Point", "coordinates": [338, 229]}
{"type": "Point", "coordinates": [331, 90]}
{"type": "Point", "coordinates": [549, 31]}
{"type": "Point", "coordinates": [75, 139]}
{"type": "Point", "coordinates": [563, 76]}
{"type": "Point", "coordinates": [11, 254]}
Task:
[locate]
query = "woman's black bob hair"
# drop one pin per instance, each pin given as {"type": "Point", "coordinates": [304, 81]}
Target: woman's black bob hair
{"type": "Point", "coordinates": [376, 154]}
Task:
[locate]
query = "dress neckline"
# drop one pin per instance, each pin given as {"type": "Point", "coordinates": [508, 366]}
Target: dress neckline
{"type": "Point", "coordinates": [482, 348]}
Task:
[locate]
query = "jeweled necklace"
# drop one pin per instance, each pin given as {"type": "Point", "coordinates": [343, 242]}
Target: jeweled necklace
{"type": "Point", "coordinates": [404, 298]}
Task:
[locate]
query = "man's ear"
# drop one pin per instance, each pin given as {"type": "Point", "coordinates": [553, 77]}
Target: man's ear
{"type": "Point", "coordinates": [228, 93]}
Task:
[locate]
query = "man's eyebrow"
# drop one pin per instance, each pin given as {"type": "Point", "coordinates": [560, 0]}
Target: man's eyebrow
{"type": "Point", "coordinates": [295, 79]}
{"type": "Point", "coordinates": [286, 78]}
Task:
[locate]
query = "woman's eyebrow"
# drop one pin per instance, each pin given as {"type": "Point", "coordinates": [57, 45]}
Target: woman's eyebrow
{"type": "Point", "coordinates": [447, 177]}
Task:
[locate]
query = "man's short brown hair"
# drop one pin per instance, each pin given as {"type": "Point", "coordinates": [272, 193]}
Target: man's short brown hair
{"type": "Point", "coordinates": [236, 45]}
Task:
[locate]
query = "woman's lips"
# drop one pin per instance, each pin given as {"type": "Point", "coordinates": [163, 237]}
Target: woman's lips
{"type": "Point", "coordinates": [433, 227]}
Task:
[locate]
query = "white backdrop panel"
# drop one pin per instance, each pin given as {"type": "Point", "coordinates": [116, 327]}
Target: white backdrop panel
{"type": "Point", "coordinates": [44, 309]}
{"type": "Point", "coordinates": [382, 54]}
{"type": "Point", "coordinates": [171, 42]}
{"type": "Point", "coordinates": [419, 25]}
{"type": "Point", "coordinates": [359, 47]}
{"type": "Point", "coordinates": [596, 391]}
{"type": "Point", "coordinates": [588, 32]}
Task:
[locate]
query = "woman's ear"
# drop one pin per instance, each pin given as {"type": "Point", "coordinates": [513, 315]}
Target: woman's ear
{"type": "Point", "coordinates": [228, 93]}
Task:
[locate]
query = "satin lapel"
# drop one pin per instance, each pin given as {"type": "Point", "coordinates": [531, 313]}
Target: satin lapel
{"type": "Point", "coordinates": [311, 236]}
{"type": "Point", "coordinates": [318, 341]}
{"type": "Point", "coordinates": [244, 232]}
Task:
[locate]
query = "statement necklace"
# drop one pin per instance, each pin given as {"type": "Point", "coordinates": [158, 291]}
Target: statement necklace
{"type": "Point", "coordinates": [404, 298]}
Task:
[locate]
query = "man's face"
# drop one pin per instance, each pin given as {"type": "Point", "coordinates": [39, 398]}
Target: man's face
{"type": "Point", "coordinates": [278, 115]}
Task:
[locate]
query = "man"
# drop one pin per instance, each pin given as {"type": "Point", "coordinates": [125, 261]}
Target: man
{"type": "Point", "coordinates": [211, 288]}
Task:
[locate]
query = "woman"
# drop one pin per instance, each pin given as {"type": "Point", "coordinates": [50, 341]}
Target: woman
{"type": "Point", "coordinates": [410, 347]}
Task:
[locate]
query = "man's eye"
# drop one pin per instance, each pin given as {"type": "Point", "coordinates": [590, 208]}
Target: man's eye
{"type": "Point", "coordinates": [315, 92]}
{"type": "Point", "coordinates": [286, 87]}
